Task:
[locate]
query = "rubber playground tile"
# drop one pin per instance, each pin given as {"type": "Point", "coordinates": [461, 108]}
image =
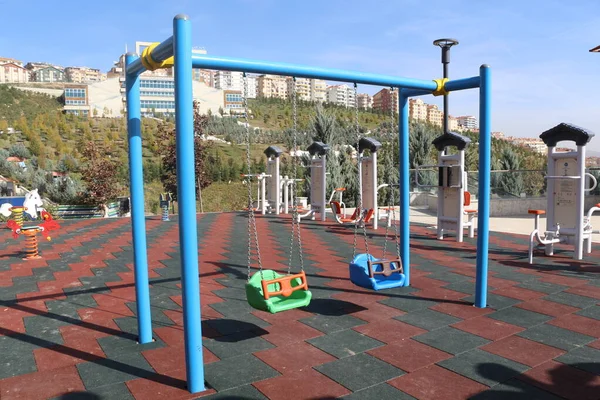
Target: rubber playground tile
{"type": "Point", "coordinates": [462, 309]}
{"type": "Point", "coordinates": [520, 317]}
{"type": "Point", "coordinates": [332, 323]}
{"type": "Point", "coordinates": [585, 358]}
{"type": "Point", "coordinates": [590, 312]}
{"type": "Point", "coordinates": [409, 355]}
{"type": "Point", "coordinates": [345, 343]}
{"type": "Point", "coordinates": [237, 371]}
{"type": "Point", "coordinates": [408, 303]}
{"type": "Point", "coordinates": [172, 386]}
{"type": "Point", "coordinates": [359, 371]}
{"type": "Point", "coordinates": [283, 334]}
{"type": "Point", "coordinates": [563, 380]}
{"type": "Point", "coordinates": [41, 385]}
{"type": "Point", "coordinates": [516, 390]}
{"type": "Point", "coordinates": [389, 330]}
{"type": "Point", "coordinates": [428, 319]}
{"type": "Point", "coordinates": [117, 391]}
{"type": "Point", "coordinates": [556, 337]}
{"type": "Point", "coordinates": [307, 384]}
{"type": "Point", "coordinates": [519, 293]}
{"type": "Point", "coordinates": [240, 323]}
{"type": "Point", "coordinates": [577, 323]}
{"type": "Point", "coordinates": [487, 328]}
{"type": "Point", "coordinates": [434, 383]}
{"type": "Point", "coordinates": [572, 300]}
{"type": "Point", "coordinates": [294, 357]}
{"type": "Point", "coordinates": [585, 290]}
{"type": "Point", "coordinates": [484, 367]}
{"type": "Point", "coordinates": [523, 351]}
{"type": "Point", "coordinates": [114, 370]}
{"type": "Point", "coordinates": [547, 307]}
{"type": "Point", "coordinates": [237, 344]}
{"type": "Point", "coordinates": [495, 301]}
{"type": "Point", "coordinates": [379, 392]}
{"type": "Point", "coordinates": [450, 340]}
{"type": "Point", "coordinates": [545, 287]}
{"type": "Point", "coordinates": [246, 392]}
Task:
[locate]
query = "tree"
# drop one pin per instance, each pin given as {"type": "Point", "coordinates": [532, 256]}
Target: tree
{"type": "Point", "coordinates": [100, 176]}
{"type": "Point", "coordinates": [420, 149]}
{"type": "Point", "coordinates": [510, 182]}
{"type": "Point", "coordinates": [168, 152]}
{"type": "Point", "coordinates": [19, 150]}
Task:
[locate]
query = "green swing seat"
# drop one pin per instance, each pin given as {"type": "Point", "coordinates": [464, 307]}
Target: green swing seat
{"type": "Point", "coordinates": [274, 292]}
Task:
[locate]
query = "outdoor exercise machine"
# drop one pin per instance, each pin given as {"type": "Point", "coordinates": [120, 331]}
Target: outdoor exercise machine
{"type": "Point", "coordinates": [176, 52]}
{"type": "Point", "coordinates": [318, 181]}
{"type": "Point", "coordinates": [272, 182]}
{"type": "Point", "coordinates": [566, 221]}
{"type": "Point", "coordinates": [165, 203]}
{"type": "Point", "coordinates": [453, 196]}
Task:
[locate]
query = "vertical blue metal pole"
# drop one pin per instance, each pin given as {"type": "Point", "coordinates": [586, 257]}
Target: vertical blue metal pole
{"type": "Point", "coordinates": [485, 162]}
{"type": "Point", "coordinates": [404, 180]}
{"type": "Point", "coordinates": [186, 195]}
{"type": "Point", "coordinates": [138, 222]}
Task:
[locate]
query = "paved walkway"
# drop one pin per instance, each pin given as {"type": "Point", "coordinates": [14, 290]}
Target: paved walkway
{"type": "Point", "coordinates": [68, 326]}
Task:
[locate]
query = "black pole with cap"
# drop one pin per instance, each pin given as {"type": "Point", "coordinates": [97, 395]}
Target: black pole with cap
{"type": "Point", "coordinates": [445, 45]}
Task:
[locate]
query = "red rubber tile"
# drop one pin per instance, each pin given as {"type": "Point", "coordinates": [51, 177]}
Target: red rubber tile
{"type": "Point", "coordinates": [409, 355]}
{"type": "Point", "coordinates": [41, 385]}
{"type": "Point", "coordinates": [563, 380]}
{"type": "Point", "coordinates": [295, 357]}
{"type": "Point", "coordinates": [577, 323]}
{"type": "Point", "coordinates": [523, 350]}
{"type": "Point", "coordinates": [586, 290]}
{"type": "Point", "coordinates": [518, 293]}
{"type": "Point", "coordinates": [389, 330]}
{"type": "Point", "coordinates": [547, 307]}
{"type": "Point", "coordinates": [499, 283]}
{"type": "Point", "coordinates": [306, 384]}
{"type": "Point", "coordinates": [424, 282]}
{"type": "Point", "coordinates": [461, 310]}
{"type": "Point", "coordinates": [292, 332]}
{"type": "Point", "coordinates": [377, 311]}
{"type": "Point", "coordinates": [359, 297]}
{"type": "Point", "coordinates": [172, 358]}
{"type": "Point", "coordinates": [435, 383]}
{"type": "Point", "coordinates": [172, 387]}
{"type": "Point", "coordinates": [284, 317]}
{"type": "Point", "coordinates": [595, 344]}
{"type": "Point", "coordinates": [561, 280]}
{"type": "Point", "coordinates": [488, 328]}
{"type": "Point", "coordinates": [66, 355]}
{"type": "Point", "coordinates": [171, 335]}
{"type": "Point", "coordinates": [441, 294]}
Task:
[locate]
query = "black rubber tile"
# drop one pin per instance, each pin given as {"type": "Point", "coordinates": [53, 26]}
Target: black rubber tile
{"type": "Point", "coordinates": [590, 312]}
{"type": "Point", "coordinates": [117, 391]}
{"type": "Point", "coordinates": [247, 392]}
{"type": "Point", "coordinates": [519, 317]}
{"type": "Point", "coordinates": [16, 356]}
{"type": "Point", "coordinates": [451, 340]}
{"type": "Point", "coordinates": [449, 277]}
{"type": "Point", "coordinates": [585, 358]}
{"type": "Point", "coordinates": [240, 323]}
{"type": "Point", "coordinates": [515, 390]}
{"type": "Point", "coordinates": [114, 370]}
{"type": "Point", "coordinates": [332, 323]}
{"type": "Point", "coordinates": [408, 303]}
{"type": "Point", "coordinates": [463, 287]}
{"type": "Point", "coordinates": [231, 294]}
{"type": "Point", "coordinates": [544, 287]}
{"type": "Point", "coordinates": [511, 275]}
{"type": "Point", "coordinates": [237, 344]}
{"type": "Point", "coordinates": [232, 308]}
{"type": "Point", "coordinates": [428, 319]}
{"type": "Point", "coordinates": [126, 343]}
{"type": "Point", "coordinates": [556, 337]}
{"type": "Point", "coordinates": [359, 371]}
{"type": "Point", "coordinates": [572, 300]}
{"type": "Point", "coordinates": [46, 329]}
{"type": "Point", "coordinates": [237, 371]}
{"type": "Point", "coordinates": [496, 301]}
{"type": "Point", "coordinates": [381, 391]}
{"type": "Point", "coordinates": [484, 367]}
{"type": "Point", "coordinates": [345, 343]}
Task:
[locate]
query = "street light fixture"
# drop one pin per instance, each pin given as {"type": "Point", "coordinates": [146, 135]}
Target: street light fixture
{"type": "Point", "coordinates": [445, 45]}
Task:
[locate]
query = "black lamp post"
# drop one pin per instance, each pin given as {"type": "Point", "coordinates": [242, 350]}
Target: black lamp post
{"type": "Point", "coordinates": [445, 45]}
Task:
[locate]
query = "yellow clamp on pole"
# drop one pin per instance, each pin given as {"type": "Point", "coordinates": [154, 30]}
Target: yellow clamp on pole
{"type": "Point", "coordinates": [148, 61]}
{"type": "Point", "coordinates": [441, 87]}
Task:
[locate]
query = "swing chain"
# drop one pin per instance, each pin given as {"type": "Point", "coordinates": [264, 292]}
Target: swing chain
{"type": "Point", "coordinates": [359, 206]}
{"type": "Point", "coordinates": [295, 221]}
{"type": "Point", "coordinates": [391, 204]}
{"type": "Point", "coordinates": [251, 217]}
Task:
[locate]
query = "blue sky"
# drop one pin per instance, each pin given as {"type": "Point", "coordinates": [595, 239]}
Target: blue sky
{"type": "Point", "coordinates": [542, 71]}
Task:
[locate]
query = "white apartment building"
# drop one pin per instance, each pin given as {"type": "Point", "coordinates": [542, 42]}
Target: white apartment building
{"type": "Point", "coordinates": [342, 95]}
{"type": "Point", "coordinates": [467, 122]}
{"type": "Point", "coordinates": [272, 86]}
{"type": "Point", "coordinates": [417, 109]}
{"type": "Point", "coordinates": [435, 116]}
{"type": "Point", "coordinates": [228, 80]}
{"type": "Point", "coordinates": [364, 101]}
{"type": "Point", "coordinates": [453, 124]}
{"type": "Point", "coordinates": [11, 72]}
{"type": "Point", "coordinates": [84, 75]}
{"type": "Point", "coordinates": [318, 90]}
{"type": "Point", "coordinates": [303, 91]}
{"type": "Point", "coordinates": [252, 87]}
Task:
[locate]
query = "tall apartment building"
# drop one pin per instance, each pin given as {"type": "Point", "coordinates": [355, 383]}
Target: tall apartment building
{"type": "Point", "coordinates": [228, 80]}
{"type": "Point", "coordinates": [467, 122]}
{"type": "Point", "coordinates": [417, 110]}
{"type": "Point", "coordinates": [204, 75]}
{"type": "Point", "coordinates": [303, 91]}
{"type": "Point", "coordinates": [44, 72]}
{"type": "Point", "coordinates": [318, 90]}
{"type": "Point", "coordinates": [435, 116]}
{"type": "Point", "coordinates": [385, 100]}
{"type": "Point", "coordinates": [84, 75]}
{"type": "Point", "coordinates": [12, 72]}
{"type": "Point", "coordinates": [76, 100]}
{"type": "Point", "coordinates": [252, 87]}
{"type": "Point", "coordinates": [272, 86]}
{"type": "Point", "coordinates": [364, 101]}
{"type": "Point", "coordinates": [342, 95]}
{"type": "Point", "coordinates": [453, 124]}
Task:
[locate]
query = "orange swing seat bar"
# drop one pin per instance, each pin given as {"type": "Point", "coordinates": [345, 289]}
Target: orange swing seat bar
{"type": "Point", "coordinates": [285, 285]}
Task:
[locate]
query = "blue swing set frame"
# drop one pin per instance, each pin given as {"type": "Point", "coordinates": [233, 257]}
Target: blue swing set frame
{"type": "Point", "coordinates": [176, 51]}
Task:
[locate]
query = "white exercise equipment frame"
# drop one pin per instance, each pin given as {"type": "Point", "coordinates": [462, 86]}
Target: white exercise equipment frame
{"type": "Point", "coordinates": [318, 181]}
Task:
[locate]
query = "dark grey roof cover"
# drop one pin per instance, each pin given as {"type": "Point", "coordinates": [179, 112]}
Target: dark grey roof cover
{"type": "Point", "coordinates": [273, 151]}
{"type": "Point", "coordinates": [449, 139]}
{"type": "Point", "coordinates": [318, 148]}
{"type": "Point", "coordinates": [368, 143]}
{"type": "Point", "coordinates": [564, 131]}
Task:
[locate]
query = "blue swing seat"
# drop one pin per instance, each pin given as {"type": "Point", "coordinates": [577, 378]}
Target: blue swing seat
{"type": "Point", "coordinates": [373, 273]}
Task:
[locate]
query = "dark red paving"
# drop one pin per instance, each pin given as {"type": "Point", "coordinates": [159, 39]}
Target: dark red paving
{"type": "Point", "coordinates": [92, 325]}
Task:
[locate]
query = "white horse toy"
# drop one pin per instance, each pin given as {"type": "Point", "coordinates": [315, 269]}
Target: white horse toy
{"type": "Point", "coordinates": [32, 203]}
